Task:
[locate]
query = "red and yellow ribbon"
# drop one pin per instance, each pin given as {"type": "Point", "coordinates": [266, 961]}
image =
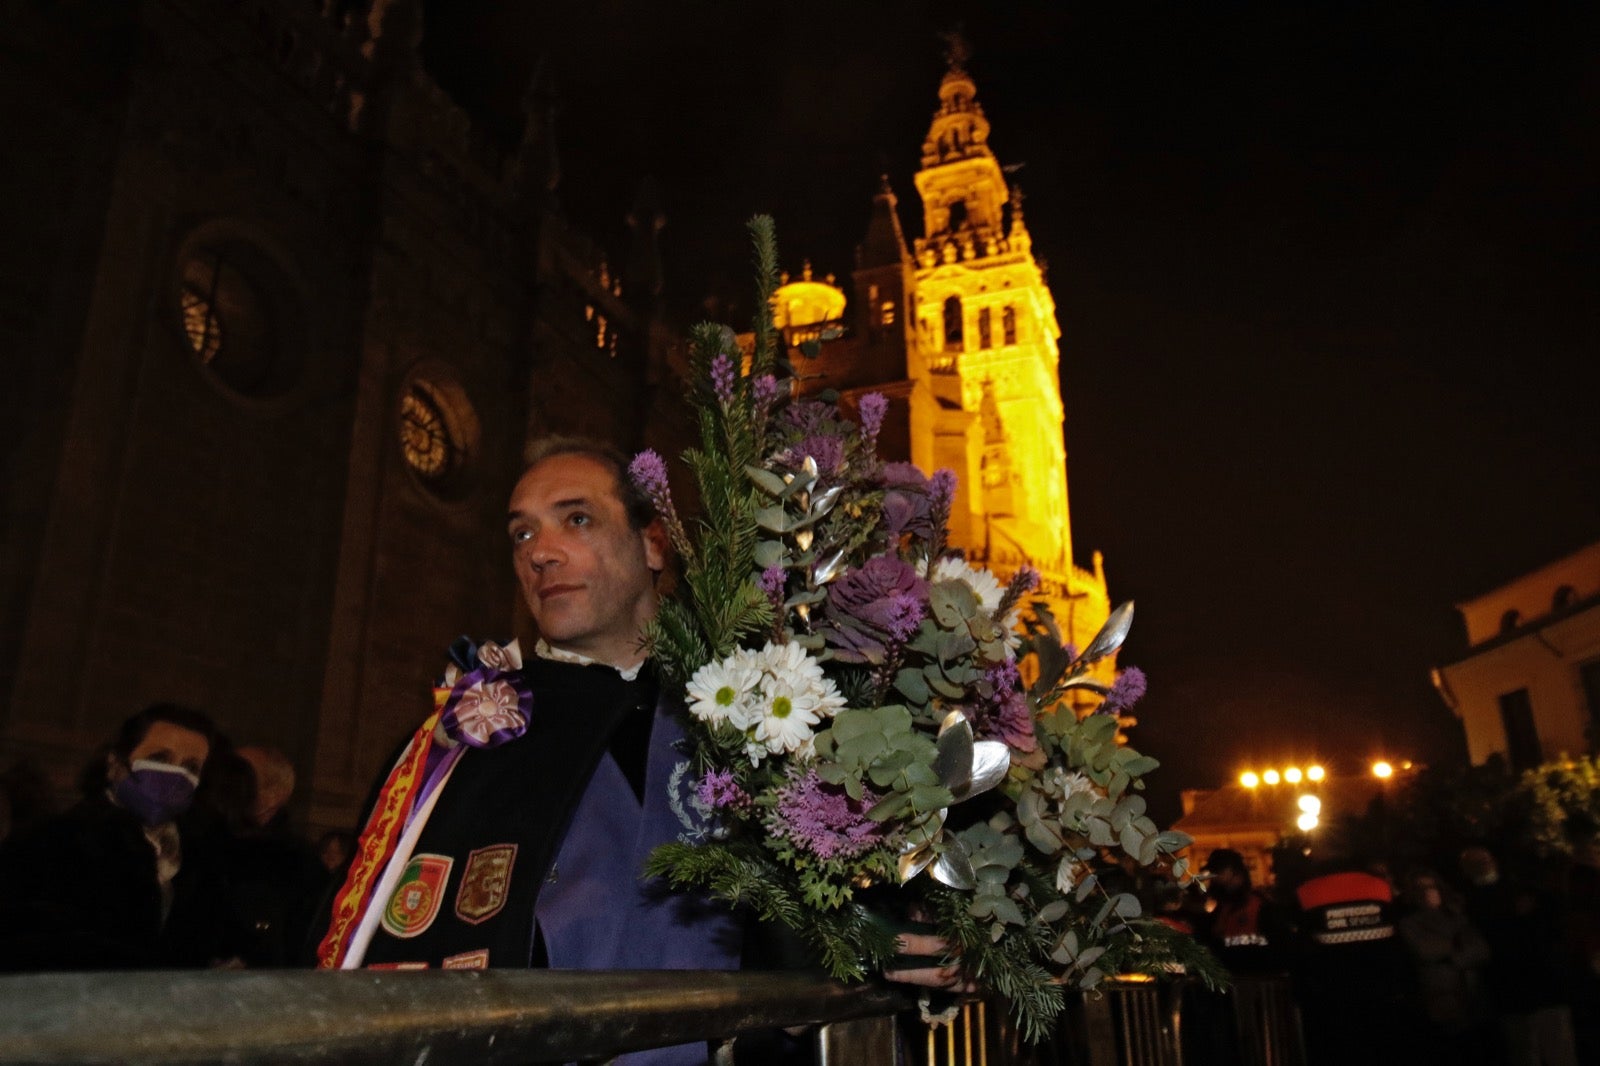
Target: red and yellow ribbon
{"type": "Point", "coordinates": [377, 841]}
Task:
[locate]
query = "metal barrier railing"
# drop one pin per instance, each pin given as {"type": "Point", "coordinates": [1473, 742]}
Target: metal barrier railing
{"type": "Point", "coordinates": [531, 1016]}
{"type": "Point", "coordinates": [437, 1018]}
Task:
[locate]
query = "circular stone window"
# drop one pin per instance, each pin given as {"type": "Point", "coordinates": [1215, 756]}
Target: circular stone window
{"type": "Point", "coordinates": [438, 434]}
{"type": "Point", "coordinates": [239, 317]}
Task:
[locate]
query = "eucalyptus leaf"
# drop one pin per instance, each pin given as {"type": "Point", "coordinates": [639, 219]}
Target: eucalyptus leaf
{"type": "Point", "coordinates": [766, 480]}
{"type": "Point", "coordinates": [1111, 635]}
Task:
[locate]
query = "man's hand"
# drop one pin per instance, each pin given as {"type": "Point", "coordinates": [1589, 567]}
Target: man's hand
{"type": "Point", "coordinates": [946, 977]}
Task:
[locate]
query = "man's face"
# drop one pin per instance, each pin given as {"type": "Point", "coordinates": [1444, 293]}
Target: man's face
{"type": "Point", "coordinates": [587, 576]}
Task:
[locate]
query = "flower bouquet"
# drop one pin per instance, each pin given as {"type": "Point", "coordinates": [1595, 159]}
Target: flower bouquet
{"type": "Point", "coordinates": [863, 730]}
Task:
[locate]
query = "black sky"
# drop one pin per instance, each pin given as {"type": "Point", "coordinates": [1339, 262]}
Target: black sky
{"type": "Point", "coordinates": [1325, 278]}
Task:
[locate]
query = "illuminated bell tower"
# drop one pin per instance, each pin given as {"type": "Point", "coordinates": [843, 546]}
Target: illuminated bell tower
{"type": "Point", "coordinates": [985, 350]}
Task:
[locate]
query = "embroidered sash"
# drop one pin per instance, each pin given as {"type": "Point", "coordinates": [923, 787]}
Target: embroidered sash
{"type": "Point", "coordinates": [376, 844]}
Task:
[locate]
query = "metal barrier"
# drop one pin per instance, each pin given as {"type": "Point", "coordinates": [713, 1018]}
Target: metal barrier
{"type": "Point", "coordinates": [437, 1018]}
{"type": "Point", "coordinates": [530, 1016]}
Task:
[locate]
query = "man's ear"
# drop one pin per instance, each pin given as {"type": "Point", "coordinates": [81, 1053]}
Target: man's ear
{"type": "Point", "coordinates": [656, 546]}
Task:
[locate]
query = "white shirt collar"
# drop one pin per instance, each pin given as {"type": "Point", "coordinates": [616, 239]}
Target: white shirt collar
{"type": "Point", "coordinates": [544, 650]}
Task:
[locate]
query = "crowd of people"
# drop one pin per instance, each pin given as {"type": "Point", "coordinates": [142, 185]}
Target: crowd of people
{"type": "Point", "coordinates": [1478, 963]}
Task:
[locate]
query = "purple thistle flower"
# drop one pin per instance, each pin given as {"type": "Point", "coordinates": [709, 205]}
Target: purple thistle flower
{"type": "Point", "coordinates": [773, 580]}
{"type": "Point", "coordinates": [723, 376]}
{"type": "Point", "coordinates": [942, 489]}
{"type": "Point", "coordinates": [719, 791]}
{"type": "Point", "coordinates": [1026, 580]}
{"type": "Point", "coordinates": [906, 612]}
{"type": "Point", "coordinates": [765, 389]}
{"type": "Point", "coordinates": [649, 472]}
{"type": "Point", "coordinates": [1005, 678]}
{"type": "Point", "coordinates": [872, 408]}
{"type": "Point", "coordinates": [1126, 690]}
{"type": "Point", "coordinates": [823, 819]}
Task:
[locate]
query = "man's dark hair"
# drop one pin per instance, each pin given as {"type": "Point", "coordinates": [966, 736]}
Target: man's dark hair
{"type": "Point", "coordinates": [640, 511]}
{"type": "Point", "coordinates": [133, 731]}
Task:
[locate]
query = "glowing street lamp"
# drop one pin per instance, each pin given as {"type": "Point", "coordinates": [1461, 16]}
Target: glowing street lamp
{"type": "Point", "coordinates": [1310, 804]}
{"type": "Point", "coordinates": [1316, 773]}
{"type": "Point", "coordinates": [1292, 775]}
{"type": "Point", "coordinates": [1249, 780]}
{"type": "Point", "coordinates": [1382, 769]}
{"type": "Point", "coordinates": [1307, 822]}
{"type": "Point", "coordinates": [1270, 777]}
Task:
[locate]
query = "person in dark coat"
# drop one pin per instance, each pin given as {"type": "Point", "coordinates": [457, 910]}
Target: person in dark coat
{"type": "Point", "coordinates": [104, 885]}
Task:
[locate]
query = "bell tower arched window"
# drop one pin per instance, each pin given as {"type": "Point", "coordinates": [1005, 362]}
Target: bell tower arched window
{"type": "Point", "coordinates": [1008, 324]}
{"type": "Point", "coordinates": [952, 324]}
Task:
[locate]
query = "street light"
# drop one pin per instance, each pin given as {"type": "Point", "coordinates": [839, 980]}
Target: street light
{"type": "Point", "coordinates": [1307, 822]}
{"type": "Point", "coordinates": [1270, 777]}
{"type": "Point", "coordinates": [1382, 769]}
{"type": "Point", "coordinates": [1292, 775]}
{"type": "Point", "coordinates": [1249, 780]}
{"type": "Point", "coordinates": [1310, 804]}
{"type": "Point", "coordinates": [1316, 773]}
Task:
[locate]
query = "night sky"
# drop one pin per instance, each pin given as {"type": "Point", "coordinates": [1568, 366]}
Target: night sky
{"type": "Point", "coordinates": [1325, 281]}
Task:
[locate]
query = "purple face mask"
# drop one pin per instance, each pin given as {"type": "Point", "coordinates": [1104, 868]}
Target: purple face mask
{"type": "Point", "coordinates": [155, 792]}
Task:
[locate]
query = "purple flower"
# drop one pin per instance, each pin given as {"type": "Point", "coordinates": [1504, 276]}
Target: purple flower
{"type": "Point", "coordinates": [874, 607]}
{"type": "Point", "coordinates": [906, 507]}
{"type": "Point", "coordinates": [823, 819]}
{"type": "Point", "coordinates": [1006, 715]}
{"type": "Point", "coordinates": [765, 389]}
{"type": "Point", "coordinates": [719, 791]}
{"type": "Point", "coordinates": [1126, 690]}
{"type": "Point", "coordinates": [872, 409]}
{"type": "Point", "coordinates": [808, 417]}
{"type": "Point", "coordinates": [773, 580]}
{"type": "Point", "coordinates": [1005, 678]}
{"type": "Point", "coordinates": [828, 452]}
{"type": "Point", "coordinates": [723, 375]}
{"type": "Point", "coordinates": [649, 472]}
{"type": "Point", "coordinates": [942, 490]}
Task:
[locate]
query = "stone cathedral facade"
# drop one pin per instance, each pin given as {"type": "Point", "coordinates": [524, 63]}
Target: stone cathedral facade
{"type": "Point", "coordinates": [276, 324]}
{"type": "Point", "coordinates": [958, 328]}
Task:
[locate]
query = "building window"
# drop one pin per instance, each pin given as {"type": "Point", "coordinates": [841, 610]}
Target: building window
{"type": "Point", "coordinates": [958, 214]}
{"type": "Point", "coordinates": [1522, 738]}
{"type": "Point", "coordinates": [1008, 324]}
{"type": "Point", "coordinates": [952, 324]}
{"type": "Point", "coordinates": [985, 332]}
{"type": "Point", "coordinates": [1510, 620]}
{"type": "Point", "coordinates": [438, 433]}
{"type": "Point", "coordinates": [1565, 597]}
{"type": "Point", "coordinates": [238, 317]}
{"type": "Point", "coordinates": [887, 317]}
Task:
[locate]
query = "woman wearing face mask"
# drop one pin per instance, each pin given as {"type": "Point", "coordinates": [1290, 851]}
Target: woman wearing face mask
{"type": "Point", "coordinates": [103, 885]}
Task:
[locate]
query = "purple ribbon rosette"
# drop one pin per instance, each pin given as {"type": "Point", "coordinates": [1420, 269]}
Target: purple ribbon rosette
{"type": "Point", "coordinates": [487, 707]}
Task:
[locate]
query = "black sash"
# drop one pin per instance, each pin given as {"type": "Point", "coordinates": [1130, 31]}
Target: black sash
{"type": "Point", "coordinates": [475, 873]}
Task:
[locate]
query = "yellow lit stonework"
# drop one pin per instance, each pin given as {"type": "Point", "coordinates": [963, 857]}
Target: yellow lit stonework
{"type": "Point", "coordinates": [958, 330]}
{"type": "Point", "coordinates": [986, 356]}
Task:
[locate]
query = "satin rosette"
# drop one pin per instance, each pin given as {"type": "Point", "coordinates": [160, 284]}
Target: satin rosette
{"type": "Point", "coordinates": [487, 707]}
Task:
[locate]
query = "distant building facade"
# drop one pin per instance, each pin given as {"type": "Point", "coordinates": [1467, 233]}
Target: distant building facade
{"type": "Point", "coordinates": [277, 325]}
{"type": "Point", "coordinates": [1528, 688]}
{"type": "Point", "coordinates": [958, 330]}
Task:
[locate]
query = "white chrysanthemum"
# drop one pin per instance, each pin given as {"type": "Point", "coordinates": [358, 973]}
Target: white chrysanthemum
{"type": "Point", "coordinates": [983, 584]}
{"type": "Point", "coordinates": [789, 716]}
{"type": "Point", "coordinates": [789, 663]}
{"type": "Point", "coordinates": [726, 691]}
